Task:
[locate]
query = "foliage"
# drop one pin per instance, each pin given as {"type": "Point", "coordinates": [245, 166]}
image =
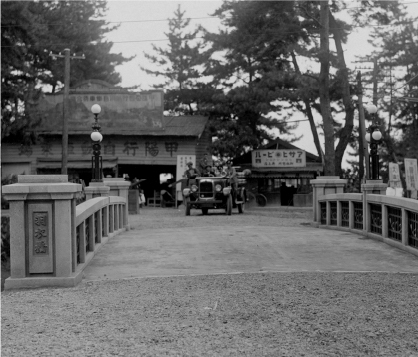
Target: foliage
{"type": "Point", "coordinates": [8, 180]}
{"type": "Point", "coordinates": [395, 74]}
{"type": "Point", "coordinates": [30, 31]}
{"type": "Point", "coordinates": [5, 239]}
{"type": "Point", "coordinates": [180, 66]}
{"type": "Point", "coordinates": [253, 72]}
{"type": "Point", "coordinates": [5, 221]}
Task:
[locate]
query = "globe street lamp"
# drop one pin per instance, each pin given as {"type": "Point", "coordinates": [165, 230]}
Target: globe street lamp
{"type": "Point", "coordinates": [96, 137]}
{"type": "Point", "coordinates": [374, 138]}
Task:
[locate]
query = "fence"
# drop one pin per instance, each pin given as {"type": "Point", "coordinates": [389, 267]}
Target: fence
{"type": "Point", "coordinates": [393, 220]}
{"type": "Point", "coordinates": [97, 220]}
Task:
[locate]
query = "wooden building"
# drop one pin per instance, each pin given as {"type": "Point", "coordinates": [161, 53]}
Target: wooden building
{"type": "Point", "coordinates": [137, 139]}
{"type": "Point", "coordinates": [279, 170]}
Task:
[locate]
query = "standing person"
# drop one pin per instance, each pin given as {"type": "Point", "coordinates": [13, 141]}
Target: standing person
{"type": "Point", "coordinates": [204, 162]}
{"type": "Point", "coordinates": [191, 172]}
{"type": "Point", "coordinates": [232, 174]}
{"type": "Point", "coordinates": [135, 185]}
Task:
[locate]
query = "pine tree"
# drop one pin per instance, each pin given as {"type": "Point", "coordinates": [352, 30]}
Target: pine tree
{"type": "Point", "coordinates": [29, 32]}
{"type": "Point", "coordinates": [180, 66]}
{"type": "Point", "coordinates": [252, 73]}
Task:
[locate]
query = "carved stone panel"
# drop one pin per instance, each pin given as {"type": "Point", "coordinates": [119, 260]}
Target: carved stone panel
{"type": "Point", "coordinates": [40, 238]}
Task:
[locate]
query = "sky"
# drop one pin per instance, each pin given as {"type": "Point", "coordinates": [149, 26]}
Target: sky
{"type": "Point", "coordinates": [143, 23]}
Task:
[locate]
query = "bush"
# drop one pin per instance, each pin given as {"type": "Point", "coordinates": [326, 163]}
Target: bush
{"type": "Point", "coordinates": [5, 221]}
{"type": "Point", "coordinates": [5, 239]}
{"type": "Point", "coordinates": [8, 180]}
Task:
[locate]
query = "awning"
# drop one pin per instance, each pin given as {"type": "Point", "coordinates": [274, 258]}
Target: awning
{"type": "Point", "coordinates": [78, 164]}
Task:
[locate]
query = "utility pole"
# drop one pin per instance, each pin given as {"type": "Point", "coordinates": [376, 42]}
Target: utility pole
{"type": "Point", "coordinates": [66, 104]}
{"type": "Point", "coordinates": [362, 127]}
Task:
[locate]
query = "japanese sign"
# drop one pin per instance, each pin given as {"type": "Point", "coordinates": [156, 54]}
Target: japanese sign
{"type": "Point", "coordinates": [121, 110]}
{"type": "Point", "coordinates": [411, 174]}
{"type": "Point", "coordinates": [394, 176]}
{"type": "Point", "coordinates": [278, 158]}
{"type": "Point", "coordinates": [182, 160]}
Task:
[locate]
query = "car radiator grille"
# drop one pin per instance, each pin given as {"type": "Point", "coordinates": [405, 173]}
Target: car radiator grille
{"type": "Point", "coordinates": [206, 189]}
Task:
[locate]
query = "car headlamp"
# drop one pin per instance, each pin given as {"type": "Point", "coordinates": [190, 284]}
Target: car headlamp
{"type": "Point", "coordinates": [194, 188]}
{"type": "Point", "coordinates": [218, 188]}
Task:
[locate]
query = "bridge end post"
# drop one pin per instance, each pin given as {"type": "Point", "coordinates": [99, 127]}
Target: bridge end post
{"type": "Point", "coordinates": [120, 187]}
{"type": "Point", "coordinates": [322, 186]}
{"type": "Point", "coordinates": [42, 212]}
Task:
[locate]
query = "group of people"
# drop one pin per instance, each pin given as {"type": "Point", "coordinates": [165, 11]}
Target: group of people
{"type": "Point", "coordinates": [207, 170]}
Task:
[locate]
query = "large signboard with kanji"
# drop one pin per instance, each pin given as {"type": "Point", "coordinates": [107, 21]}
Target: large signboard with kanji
{"type": "Point", "coordinates": [278, 158]}
{"type": "Point", "coordinates": [121, 110]}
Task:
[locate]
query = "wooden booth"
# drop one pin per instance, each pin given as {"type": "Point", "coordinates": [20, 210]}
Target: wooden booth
{"type": "Point", "coordinates": [281, 172]}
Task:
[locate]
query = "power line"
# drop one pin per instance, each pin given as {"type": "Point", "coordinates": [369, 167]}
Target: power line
{"type": "Point", "coordinates": [122, 22]}
{"type": "Point", "coordinates": [199, 37]}
{"type": "Point", "coordinates": [207, 17]}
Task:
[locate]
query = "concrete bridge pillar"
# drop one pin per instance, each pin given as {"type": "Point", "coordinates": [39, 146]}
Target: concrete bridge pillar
{"type": "Point", "coordinates": [42, 231]}
{"type": "Point", "coordinates": [119, 187]}
{"type": "Point", "coordinates": [325, 185]}
{"type": "Point", "coordinates": [96, 189]}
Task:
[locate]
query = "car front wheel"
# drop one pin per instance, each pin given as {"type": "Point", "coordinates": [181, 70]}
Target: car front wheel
{"type": "Point", "coordinates": [188, 206]}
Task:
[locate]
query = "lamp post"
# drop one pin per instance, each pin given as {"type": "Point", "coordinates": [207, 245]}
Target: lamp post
{"type": "Point", "coordinates": [374, 138]}
{"type": "Point", "coordinates": [96, 137]}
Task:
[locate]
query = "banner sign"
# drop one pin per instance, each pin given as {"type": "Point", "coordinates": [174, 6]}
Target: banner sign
{"type": "Point", "coordinates": [182, 160]}
{"type": "Point", "coordinates": [122, 111]}
{"type": "Point", "coordinates": [411, 174]}
{"type": "Point", "coordinates": [278, 158]}
{"type": "Point", "coordinates": [394, 176]}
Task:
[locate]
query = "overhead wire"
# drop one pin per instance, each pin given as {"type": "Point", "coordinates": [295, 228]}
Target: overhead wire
{"type": "Point", "coordinates": [200, 37]}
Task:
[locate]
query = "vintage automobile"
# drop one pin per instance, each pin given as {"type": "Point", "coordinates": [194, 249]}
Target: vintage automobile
{"type": "Point", "coordinates": [213, 193]}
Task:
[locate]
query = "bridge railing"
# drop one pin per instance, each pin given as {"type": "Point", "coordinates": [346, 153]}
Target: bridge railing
{"type": "Point", "coordinates": [393, 220]}
{"type": "Point", "coordinates": [97, 220]}
{"type": "Point", "coordinates": [51, 238]}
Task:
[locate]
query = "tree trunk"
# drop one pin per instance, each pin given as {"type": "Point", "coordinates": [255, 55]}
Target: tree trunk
{"type": "Point", "coordinates": [324, 92]}
{"type": "Point", "coordinates": [346, 132]}
{"type": "Point", "coordinates": [309, 115]}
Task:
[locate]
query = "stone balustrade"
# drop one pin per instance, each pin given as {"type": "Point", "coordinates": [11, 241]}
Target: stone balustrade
{"type": "Point", "coordinates": [393, 220]}
{"type": "Point", "coordinates": [51, 239]}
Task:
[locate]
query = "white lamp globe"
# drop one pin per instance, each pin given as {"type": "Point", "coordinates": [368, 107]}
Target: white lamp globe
{"type": "Point", "coordinates": [371, 108]}
{"type": "Point", "coordinates": [377, 135]}
{"type": "Point", "coordinates": [96, 136]}
{"type": "Point", "coordinates": [96, 109]}
{"type": "Point", "coordinates": [367, 136]}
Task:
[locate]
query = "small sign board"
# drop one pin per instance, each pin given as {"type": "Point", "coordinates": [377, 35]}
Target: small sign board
{"type": "Point", "coordinates": [278, 158]}
{"type": "Point", "coordinates": [394, 176]}
{"type": "Point", "coordinates": [182, 160]}
{"type": "Point", "coordinates": [411, 174]}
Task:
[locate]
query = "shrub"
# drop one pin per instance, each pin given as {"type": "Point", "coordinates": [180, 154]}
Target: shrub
{"type": "Point", "coordinates": [5, 221]}
{"type": "Point", "coordinates": [8, 180]}
{"type": "Point", "coordinates": [5, 239]}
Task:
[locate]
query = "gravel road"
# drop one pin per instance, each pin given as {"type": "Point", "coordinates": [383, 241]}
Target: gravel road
{"type": "Point", "coordinates": [258, 314]}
